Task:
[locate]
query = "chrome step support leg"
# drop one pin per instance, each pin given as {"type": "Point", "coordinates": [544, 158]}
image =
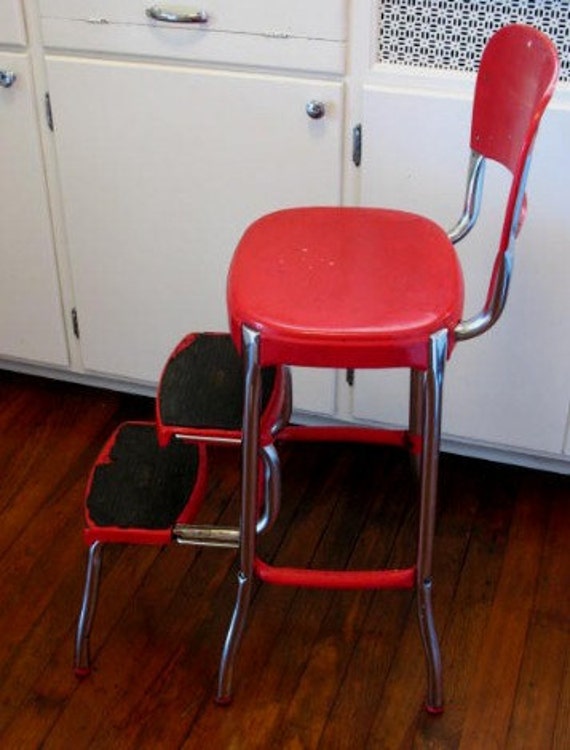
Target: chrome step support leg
{"type": "Point", "coordinates": [271, 463]}
{"type": "Point", "coordinates": [288, 398]}
{"type": "Point", "coordinates": [87, 613]}
{"type": "Point", "coordinates": [284, 416]}
{"type": "Point", "coordinates": [271, 488]}
{"type": "Point", "coordinates": [416, 415]}
{"type": "Point", "coordinates": [432, 407]}
{"type": "Point", "coordinates": [249, 488]}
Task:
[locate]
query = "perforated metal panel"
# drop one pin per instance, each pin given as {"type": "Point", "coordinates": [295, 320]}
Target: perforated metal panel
{"type": "Point", "coordinates": [451, 34]}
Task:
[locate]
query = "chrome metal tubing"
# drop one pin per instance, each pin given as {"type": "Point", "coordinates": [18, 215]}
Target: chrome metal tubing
{"type": "Point", "coordinates": [472, 202]}
{"type": "Point", "coordinates": [233, 639]}
{"type": "Point", "coordinates": [88, 606]}
{"type": "Point", "coordinates": [207, 536]}
{"type": "Point", "coordinates": [174, 15]}
{"type": "Point", "coordinates": [287, 407]}
{"type": "Point", "coordinates": [271, 489]}
{"type": "Point", "coordinates": [215, 440]}
{"type": "Point", "coordinates": [434, 700]}
{"type": "Point", "coordinates": [415, 423]}
{"type": "Point", "coordinates": [503, 268]}
{"type": "Point", "coordinates": [497, 298]}
{"type": "Point", "coordinates": [250, 468]}
{"type": "Point", "coordinates": [432, 408]}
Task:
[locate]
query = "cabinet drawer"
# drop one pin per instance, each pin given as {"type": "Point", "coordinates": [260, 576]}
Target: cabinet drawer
{"type": "Point", "coordinates": [316, 19]}
{"type": "Point", "coordinates": [12, 28]}
{"type": "Point", "coordinates": [281, 33]}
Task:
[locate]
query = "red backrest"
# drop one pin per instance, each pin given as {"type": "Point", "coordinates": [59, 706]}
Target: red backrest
{"type": "Point", "coordinates": [516, 79]}
{"type": "Point", "coordinates": [517, 75]}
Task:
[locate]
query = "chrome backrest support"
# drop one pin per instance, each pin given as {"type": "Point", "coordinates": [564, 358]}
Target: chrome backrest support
{"type": "Point", "coordinates": [502, 271]}
{"type": "Point", "coordinates": [472, 203]}
{"type": "Point", "coordinates": [516, 79]}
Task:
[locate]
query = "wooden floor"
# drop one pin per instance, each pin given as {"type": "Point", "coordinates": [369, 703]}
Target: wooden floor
{"type": "Point", "coordinates": [316, 669]}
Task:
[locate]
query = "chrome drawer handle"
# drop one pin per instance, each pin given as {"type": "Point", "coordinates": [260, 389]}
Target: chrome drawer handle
{"type": "Point", "coordinates": [7, 78]}
{"type": "Point", "coordinates": [171, 15]}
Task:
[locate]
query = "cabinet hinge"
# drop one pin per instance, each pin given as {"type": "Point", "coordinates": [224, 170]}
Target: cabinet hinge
{"type": "Point", "coordinates": [75, 322]}
{"type": "Point", "coordinates": [357, 144]}
{"type": "Point", "coordinates": [49, 113]}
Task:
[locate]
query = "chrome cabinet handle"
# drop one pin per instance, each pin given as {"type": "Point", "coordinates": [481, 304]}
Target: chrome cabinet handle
{"type": "Point", "coordinates": [171, 15]}
{"type": "Point", "coordinates": [7, 78]}
{"type": "Point", "coordinates": [315, 109]}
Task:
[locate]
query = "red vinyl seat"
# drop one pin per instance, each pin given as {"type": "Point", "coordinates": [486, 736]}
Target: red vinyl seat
{"type": "Point", "coordinates": [362, 287]}
{"type": "Point", "coordinates": [351, 287]}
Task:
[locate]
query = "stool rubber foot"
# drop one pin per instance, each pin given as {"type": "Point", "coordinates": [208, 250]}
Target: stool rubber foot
{"type": "Point", "coordinates": [433, 710]}
{"type": "Point", "coordinates": [225, 700]}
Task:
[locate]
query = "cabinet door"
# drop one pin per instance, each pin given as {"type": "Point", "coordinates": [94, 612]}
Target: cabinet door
{"type": "Point", "coordinates": [31, 323]}
{"type": "Point", "coordinates": [162, 169]}
{"type": "Point", "coordinates": [509, 388]}
{"type": "Point", "coordinates": [12, 28]}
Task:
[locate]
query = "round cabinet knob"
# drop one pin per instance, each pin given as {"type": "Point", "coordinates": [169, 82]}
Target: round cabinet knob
{"type": "Point", "coordinates": [315, 109]}
{"type": "Point", "coordinates": [7, 78]}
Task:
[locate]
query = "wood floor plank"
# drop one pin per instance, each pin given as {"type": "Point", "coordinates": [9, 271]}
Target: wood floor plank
{"type": "Point", "coordinates": [561, 736]}
{"type": "Point", "coordinates": [484, 522]}
{"type": "Point", "coordinates": [316, 669]}
{"type": "Point", "coordinates": [349, 624]}
{"type": "Point", "coordinates": [42, 530]}
{"type": "Point", "coordinates": [494, 685]}
{"type": "Point", "coordinates": [64, 440]}
{"type": "Point", "coordinates": [284, 621]}
{"type": "Point", "coordinates": [147, 637]}
{"type": "Point", "coordinates": [196, 665]}
{"type": "Point", "coordinates": [400, 719]}
{"type": "Point", "coordinates": [40, 611]}
{"type": "Point", "coordinates": [178, 609]}
{"type": "Point", "coordinates": [548, 639]}
{"type": "Point", "coordinates": [340, 633]}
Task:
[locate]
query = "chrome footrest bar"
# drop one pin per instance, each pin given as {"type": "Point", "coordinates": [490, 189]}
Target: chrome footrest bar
{"type": "Point", "coordinates": [207, 536]}
{"type": "Point", "coordinates": [213, 439]}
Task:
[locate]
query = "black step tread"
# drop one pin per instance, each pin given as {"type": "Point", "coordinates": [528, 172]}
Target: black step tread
{"type": "Point", "coordinates": [202, 384]}
{"type": "Point", "coordinates": [137, 484]}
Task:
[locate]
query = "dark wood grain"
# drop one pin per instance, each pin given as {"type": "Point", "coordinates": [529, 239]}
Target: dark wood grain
{"type": "Point", "coordinates": [317, 669]}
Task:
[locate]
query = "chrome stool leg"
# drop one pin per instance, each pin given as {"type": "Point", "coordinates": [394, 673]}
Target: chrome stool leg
{"type": "Point", "coordinates": [432, 403]}
{"type": "Point", "coordinates": [233, 639]}
{"type": "Point", "coordinates": [87, 613]}
{"type": "Point", "coordinates": [250, 468]}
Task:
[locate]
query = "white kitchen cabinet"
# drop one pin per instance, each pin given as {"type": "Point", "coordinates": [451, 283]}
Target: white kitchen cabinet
{"type": "Point", "coordinates": [170, 138]}
{"type": "Point", "coordinates": [165, 158]}
{"type": "Point", "coordinates": [12, 25]}
{"type": "Point", "coordinates": [162, 169]}
{"type": "Point", "coordinates": [510, 388]}
{"type": "Point", "coordinates": [283, 34]}
{"type": "Point", "coordinates": [31, 321]}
